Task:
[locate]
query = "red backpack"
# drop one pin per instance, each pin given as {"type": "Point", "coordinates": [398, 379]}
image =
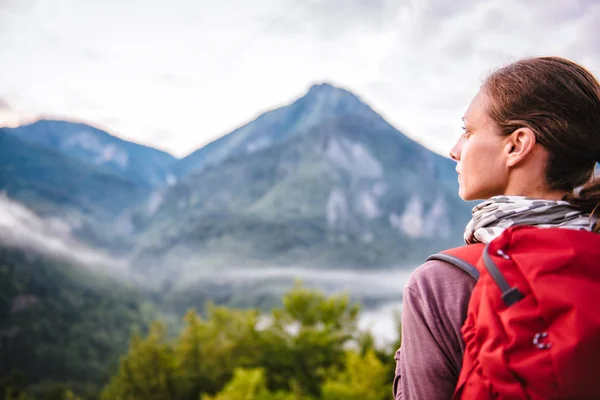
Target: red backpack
{"type": "Point", "coordinates": [533, 322]}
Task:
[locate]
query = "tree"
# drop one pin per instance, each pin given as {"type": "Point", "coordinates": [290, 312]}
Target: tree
{"type": "Point", "coordinates": [147, 372]}
{"type": "Point", "coordinates": [364, 378]}
{"type": "Point", "coordinates": [250, 384]}
{"type": "Point", "coordinates": [384, 354]}
{"type": "Point", "coordinates": [209, 350]}
{"type": "Point", "coordinates": [201, 360]}
{"type": "Point", "coordinates": [310, 348]}
{"type": "Point", "coordinates": [304, 341]}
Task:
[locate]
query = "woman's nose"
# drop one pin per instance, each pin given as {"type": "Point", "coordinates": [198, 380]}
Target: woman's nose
{"type": "Point", "coordinates": [455, 151]}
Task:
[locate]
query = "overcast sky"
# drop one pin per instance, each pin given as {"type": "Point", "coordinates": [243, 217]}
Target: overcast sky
{"type": "Point", "coordinates": [177, 74]}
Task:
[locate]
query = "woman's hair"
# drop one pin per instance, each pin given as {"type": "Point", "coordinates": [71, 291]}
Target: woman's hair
{"type": "Point", "coordinates": [559, 101]}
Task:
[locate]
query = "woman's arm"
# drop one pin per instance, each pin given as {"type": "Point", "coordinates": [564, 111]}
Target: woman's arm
{"type": "Point", "coordinates": [434, 309]}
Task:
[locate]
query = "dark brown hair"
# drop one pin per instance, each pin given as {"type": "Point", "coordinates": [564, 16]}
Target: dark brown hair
{"type": "Point", "coordinates": [559, 100]}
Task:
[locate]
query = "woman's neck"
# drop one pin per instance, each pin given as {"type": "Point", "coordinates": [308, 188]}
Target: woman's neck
{"type": "Point", "coordinates": [532, 185]}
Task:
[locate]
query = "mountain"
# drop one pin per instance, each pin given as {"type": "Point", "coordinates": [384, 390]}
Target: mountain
{"type": "Point", "coordinates": [322, 102]}
{"type": "Point", "coordinates": [50, 182]}
{"type": "Point", "coordinates": [322, 182]}
{"type": "Point", "coordinates": [145, 166]}
{"type": "Point", "coordinates": [92, 201]}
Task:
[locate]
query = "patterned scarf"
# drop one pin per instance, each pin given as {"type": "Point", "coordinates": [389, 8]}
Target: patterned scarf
{"type": "Point", "coordinates": [493, 216]}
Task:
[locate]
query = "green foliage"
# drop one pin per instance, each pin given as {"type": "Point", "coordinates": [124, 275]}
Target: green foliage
{"type": "Point", "coordinates": [12, 386]}
{"type": "Point", "coordinates": [306, 339]}
{"type": "Point", "coordinates": [61, 323]}
{"type": "Point", "coordinates": [249, 384]}
{"type": "Point", "coordinates": [64, 328]}
{"type": "Point", "coordinates": [209, 350]}
{"type": "Point", "coordinates": [147, 371]}
{"type": "Point", "coordinates": [300, 351]}
{"type": "Point", "coordinates": [362, 379]}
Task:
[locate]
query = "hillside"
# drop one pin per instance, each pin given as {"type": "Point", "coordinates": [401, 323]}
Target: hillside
{"type": "Point", "coordinates": [341, 189]}
{"type": "Point", "coordinates": [61, 322]}
{"type": "Point", "coordinates": [142, 165]}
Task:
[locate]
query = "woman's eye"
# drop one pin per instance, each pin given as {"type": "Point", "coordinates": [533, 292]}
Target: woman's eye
{"type": "Point", "coordinates": [465, 132]}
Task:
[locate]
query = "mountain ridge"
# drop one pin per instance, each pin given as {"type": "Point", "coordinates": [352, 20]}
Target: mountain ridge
{"type": "Point", "coordinates": [144, 165]}
{"type": "Point", "coordinates": [353, 176]}
{"type": "Point", "coordinates": [30, 168]}
{"type": "Point", "coordinates": [320, 102]}
{"type": "Point", "coordinates": [327, 164]}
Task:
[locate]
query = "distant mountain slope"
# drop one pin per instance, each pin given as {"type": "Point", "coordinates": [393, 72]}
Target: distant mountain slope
{"type": "Point", "coordinates": [93, 202]}
{"type": "Point", "coordinates": [142, 165]}
{"type": "Point", "coordinates": [321, 103]}
{"type": "Point", "coordinates": [50, 183]}
{"type": "Point", "coordinates": [346, 189]}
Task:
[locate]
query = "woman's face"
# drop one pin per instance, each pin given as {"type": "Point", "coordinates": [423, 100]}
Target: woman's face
{"type": "Point", "coordinates": [481, 164]}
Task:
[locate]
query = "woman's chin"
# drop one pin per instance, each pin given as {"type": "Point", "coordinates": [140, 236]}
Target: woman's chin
{"type": "Point", "coordinates": [465, 194]}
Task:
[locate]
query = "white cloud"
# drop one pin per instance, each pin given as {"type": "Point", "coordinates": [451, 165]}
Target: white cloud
{"type": "Point", "coordinates": [4, 105]}
{"type": "Point", "coordinates": [179, 74]}
{"type": "Point", "coordinates": [425, 86]}
{"type": "Point", "coordinates": [20, 227]}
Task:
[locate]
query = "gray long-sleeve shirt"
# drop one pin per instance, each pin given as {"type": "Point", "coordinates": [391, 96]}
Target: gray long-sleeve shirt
{"type": "Point", "coordinates": [434, 309]}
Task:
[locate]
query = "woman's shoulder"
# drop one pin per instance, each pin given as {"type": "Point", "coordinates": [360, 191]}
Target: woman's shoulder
{"type": "Point", "coordinates": [439, 293]}
{"type": "Point", "coordinates": [437, 279]}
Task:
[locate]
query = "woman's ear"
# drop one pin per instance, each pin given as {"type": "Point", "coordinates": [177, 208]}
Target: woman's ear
{"type": "Point", "coordinates": [519, 145]}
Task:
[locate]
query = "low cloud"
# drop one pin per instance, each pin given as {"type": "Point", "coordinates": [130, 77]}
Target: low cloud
{"type": "Point", "coordinates": [22, 228]}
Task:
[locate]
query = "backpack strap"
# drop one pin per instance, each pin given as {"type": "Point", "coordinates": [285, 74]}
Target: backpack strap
{"type": "Point", "coordinates": [510, 295]}
{"type": "Point", "coordinates": [463, 257]}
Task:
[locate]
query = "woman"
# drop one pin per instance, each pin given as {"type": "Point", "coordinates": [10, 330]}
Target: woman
{"type": "Point", "coordinates": [531, 134]}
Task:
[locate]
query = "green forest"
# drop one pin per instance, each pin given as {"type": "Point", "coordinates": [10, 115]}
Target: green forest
{"type": "Point", "coordinates": [70, 333]}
